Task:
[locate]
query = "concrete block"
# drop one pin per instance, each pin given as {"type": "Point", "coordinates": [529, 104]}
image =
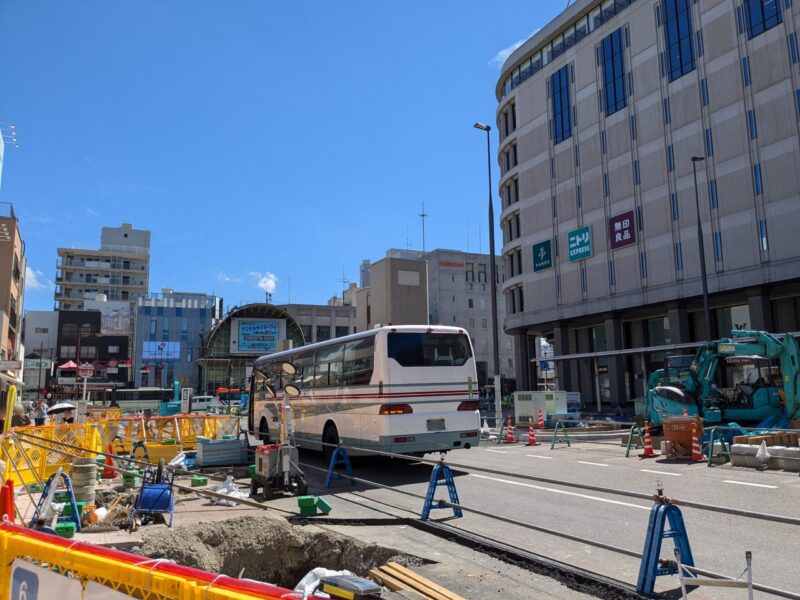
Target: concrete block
{"type": "Point", "coordinates": [741, 453]}
{"type": "Point", "coordinates": [776, 457]}
{"type": "Point", "coordinates": [787, 455]}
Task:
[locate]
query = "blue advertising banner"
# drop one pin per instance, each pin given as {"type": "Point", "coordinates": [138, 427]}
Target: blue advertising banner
{"type": "Point", "coordinates": [258, 336]}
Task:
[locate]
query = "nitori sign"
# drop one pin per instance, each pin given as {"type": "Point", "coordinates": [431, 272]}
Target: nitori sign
{"type": "Point", "coordinates": [580, 244]}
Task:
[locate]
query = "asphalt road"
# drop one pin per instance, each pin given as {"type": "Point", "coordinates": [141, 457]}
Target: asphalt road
{"type": "Point", "coordinates": [718, 540]}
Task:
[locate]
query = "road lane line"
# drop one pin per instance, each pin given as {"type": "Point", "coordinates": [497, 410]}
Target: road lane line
{"type": "Point", "coordinates": [761, 485]}
{"type": "Point", "coordinates": [583, 462]}
{"type": "Point", "coordinates": [542, 457]}
{"type": "Point", "coordinates": [564, 492]}
{"type": "Point", "coordinates": [498, 451]}
{"type": "Point", "coordinates": [660, 472]}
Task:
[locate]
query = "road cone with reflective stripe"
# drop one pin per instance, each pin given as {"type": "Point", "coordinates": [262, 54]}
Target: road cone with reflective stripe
{"type": "Point", "coordinates": [531, 435]}
{"type": "Point", "coordinates": [648, 443]}
{"type": "Point", "coordinates": [541, 420]}
{"type": "Point", "coordinates": [510, 433]}
{"type": "Point", "coordinates": [108, 472]}
{"type": "Point", "coordinates": [697, 454]}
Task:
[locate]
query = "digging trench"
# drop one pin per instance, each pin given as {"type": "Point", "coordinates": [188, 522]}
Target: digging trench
{"type": "Point", "coordinates": [267, 549]}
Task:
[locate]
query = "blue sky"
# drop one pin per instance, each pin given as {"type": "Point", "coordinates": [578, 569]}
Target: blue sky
{"type": "Point", "coordinates": [251, 137]}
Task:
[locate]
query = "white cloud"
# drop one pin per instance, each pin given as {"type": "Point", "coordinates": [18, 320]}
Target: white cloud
{"type": "Point", "coordinates": [265, 281]}
{"type": "Point", "coordinates": [91, 212]}
{"type": "Point", "coordinates": [35, 280]}
{"type": "Point", "coordinates": [501, 57]}
{"type": "Point", "coordinates": [222, 276]}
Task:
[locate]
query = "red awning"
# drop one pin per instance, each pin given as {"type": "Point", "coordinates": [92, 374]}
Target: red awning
{"type": "Point", "coordinates": [69, 365]}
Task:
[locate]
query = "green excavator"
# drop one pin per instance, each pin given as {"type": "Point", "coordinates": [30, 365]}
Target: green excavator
{"type": "Point", "coordinates": [771, 400]}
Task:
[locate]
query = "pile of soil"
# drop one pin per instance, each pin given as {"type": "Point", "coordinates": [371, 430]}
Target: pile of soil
{"type": "Point", "coordinates": [268, 549]}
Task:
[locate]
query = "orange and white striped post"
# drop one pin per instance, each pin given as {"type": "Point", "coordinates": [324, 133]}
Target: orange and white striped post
{"type": "Point", "coordinates": [648, 442]}
{"type": "Point", "coordinates": [541, 420]}
{"type": "Point", "coordinates": [697, 454]}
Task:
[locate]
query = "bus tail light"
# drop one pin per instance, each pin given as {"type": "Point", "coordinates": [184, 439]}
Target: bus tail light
{"type": "Point", "coordinates": [403, 440]}
{"type": "Point", "coordinates": [468, 405]}
{"type": "Point", "coordinates": [395, 409]}
{"type": "Point", "coordinates": [469, 434]}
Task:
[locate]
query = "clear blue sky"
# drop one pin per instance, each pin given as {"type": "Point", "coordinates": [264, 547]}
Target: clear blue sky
{"type": "Point", "coordinates": [251, 137]}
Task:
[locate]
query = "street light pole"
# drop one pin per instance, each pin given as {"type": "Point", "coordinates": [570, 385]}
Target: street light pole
{"type": "Point", "coordinates": [703, 275]}
{"type": "Point", "coordinates": [498, 404]}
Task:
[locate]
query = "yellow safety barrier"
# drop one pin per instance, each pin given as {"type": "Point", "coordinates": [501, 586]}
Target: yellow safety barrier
{"type": "Point", "coordinates": [127, 573]}
{"type": "Point", "coordinates": [28, 463]}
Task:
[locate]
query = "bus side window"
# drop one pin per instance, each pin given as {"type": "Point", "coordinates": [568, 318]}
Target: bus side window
{"type": "Point", "coordinates": [359, 359]}
{"type": "Point", "coordinates": [304, 364]}
{"type": "Point", "coordinates": [328, 369]}
{"type": "Point", "coordinates": [260, 382]}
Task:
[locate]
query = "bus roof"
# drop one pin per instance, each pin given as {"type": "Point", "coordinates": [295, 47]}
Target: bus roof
{"type": "Point", "coordinates": [360, 335]}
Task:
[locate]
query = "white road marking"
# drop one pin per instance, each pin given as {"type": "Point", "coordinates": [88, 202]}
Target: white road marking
{"type": "Point", "coordinates": [564, 492]}
{"type": "Point", "coordinates": [542, 457]}
{"type": "Point", "coordinates": [660, 472]}
{"type": "Point", "coordinates": [771, 487]}
{"type": "Point", "coordinates": [498, 451]}
{"type": "Point", "coordinates": [583, 462]}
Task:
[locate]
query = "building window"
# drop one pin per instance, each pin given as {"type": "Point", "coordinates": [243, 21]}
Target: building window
{"type": "Point", "coordinates": [757, 179]}
{"type": "Point", "coordinates": [603, 142]}
{"type": "Point", "coordinates": [562, 112]}
{"type": "Point", "coordinates": [761, 15]}
{"type": "Point", "coordinates": [613, 59]}
{"type": "Point", "coordinates": [643, 264]}
{"type": "Point", "coordinates": [674, 200]}
{"type": "Point", "coordinates": [751, 124]}
{"type": "Point", "coordinates": [665, 108]}
{"type": "Point", "coordinates": [579, 196]}
{"type": "Point", "coordinates": [307, 335]}
{"type": "Point", "coordinates": [709, 143]}
{"type": "Point", "coordinates": [670, 159]}
{"type": "Point", "coordinates": [746, 70]}
{"type": "Point", "coordinates": [712, 192]}
{"type": "Point", "coordinates": [699, 43]}
{"type": "Point", "coordinates": [483, 323]}
{"type": "Point", "coordinates": [42, 329]}
{"type": "Point", "coordinates": [704, 92]}
{"type": "Point", "coordinates": [482, 273]}
{"type": "Point", "coordinates": [636, 172]}
{"type": "Point", "coordinates": [612, 273]}
{"type": "Point", "coordinates": [469, 303]}
{"type": "Point", "coordinates": [113, 349]}
{"type": "Point", "coordinates": [793, 47]}
{"type": "Point", "coordinates": [323, 332]}
{"type": "Point", "coordinates": [583, 278]}
{"type": "Point", "coordinates": [470, 272]}
{"type": "Point", "coordinates": [678, 257]}
{"type": "Point", "coordinates": [678, 37]}
{"type": "Point", "coordinates": [762, 234]}
{"type": "Point", "coordinates": [153, 324]}
{"type": "Point", "coordinates": [67, 352]}
{"type": "Point", "coordinates": [633, 127]}
{"type": "Point", "coordinates": [165, 329]}
{"type": "Point", "coordinates": [342, 330]}
{"type": "Point", "coordinates": [717, 246]}
{"type": "Point", "coordinates": [605, 185]}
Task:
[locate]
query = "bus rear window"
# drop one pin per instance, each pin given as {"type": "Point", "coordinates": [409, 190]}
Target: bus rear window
{"type": "Point", "coordinates": [429, 349]}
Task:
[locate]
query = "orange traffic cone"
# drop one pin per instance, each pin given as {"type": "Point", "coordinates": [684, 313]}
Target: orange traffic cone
{"type": "Point", "coordinates": [541, 420]}
{"type": "Point", "coordinates": [510, 433]}
{"type": "Point", "coordinates": [108, 472]}
{"type": "Point", "coordinates": [648, 443]}
{"type": "Point", "coordinates": [531, 435]}
{"type": "Point", "coordinates": [685, 414]}
{"type": "Point", "coordinates": [697, 454]}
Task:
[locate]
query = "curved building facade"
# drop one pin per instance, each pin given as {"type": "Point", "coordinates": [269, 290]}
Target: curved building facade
{"type": "Point", "coordinates": [244, 334]}
{"type": "Point", "coordinates": [600, 114]}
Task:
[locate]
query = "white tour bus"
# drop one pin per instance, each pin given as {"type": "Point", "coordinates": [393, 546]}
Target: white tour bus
{"type": "Point", "coordinates": [405, 389]}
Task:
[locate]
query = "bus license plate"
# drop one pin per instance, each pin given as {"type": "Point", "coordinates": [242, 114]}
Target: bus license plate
{"type": "Point", "coordinates": [436, 425]}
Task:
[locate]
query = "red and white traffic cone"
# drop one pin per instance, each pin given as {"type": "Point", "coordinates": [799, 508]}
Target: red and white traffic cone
{"type": "Point", "coordinates": [541, 420]}
{"type": "Point", "coordinates": [531, 435]}
{"type": "Point", "coordinates": [108, 472]}
{"type": "Point", "coordinates": [648, 443]}
{"type": "Point", "coordinates": [685, 413]}
{"type": "Point", "coordinates": [697, 454]}
{"type": "Point", "coordinates": [510, 433]}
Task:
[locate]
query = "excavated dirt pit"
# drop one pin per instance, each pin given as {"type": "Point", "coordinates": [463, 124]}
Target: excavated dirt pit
{"type": "Point", "coordinates": [267, 549]}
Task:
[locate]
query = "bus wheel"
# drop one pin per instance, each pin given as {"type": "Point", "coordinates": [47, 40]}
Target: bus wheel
{"type": "Point", "coordinates": [263, 431]}
{"type": "Point", "coordinates": [329, 436]}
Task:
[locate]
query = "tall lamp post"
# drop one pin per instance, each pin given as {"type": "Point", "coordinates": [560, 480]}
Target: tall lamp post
{"type": "Point", "coordinates": [703, 275]}
{"type": "Point", "coordinates": [498, 404]}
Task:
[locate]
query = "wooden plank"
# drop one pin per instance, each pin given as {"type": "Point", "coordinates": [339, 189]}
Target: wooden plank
{"type": "Point", "coordinates": [409, 574]}
{"type": "Point", "coordinates": [706, 582]}
{"type": "Point", "coordinates": [414, 585]}
{"type": "Point", "coordinates": [387, 580]}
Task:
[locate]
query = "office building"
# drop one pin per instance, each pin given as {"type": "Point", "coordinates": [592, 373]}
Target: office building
{"type": "Point", "coordinates": [600, 114]}
{"type": "Point", "coordinates": [320, 322]}
{"type": "Point", "coordinates": [12, 283]}
{"type": "Point", "coordinates": [171, 329]}
{"type": "Point", "coordinates": [119, 270]}
{"type": "Point", "coordinates": [456, 292]}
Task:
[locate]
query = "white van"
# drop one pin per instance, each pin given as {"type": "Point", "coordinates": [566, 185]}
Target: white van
{"type": "Point", "coordinates": [203, 403]}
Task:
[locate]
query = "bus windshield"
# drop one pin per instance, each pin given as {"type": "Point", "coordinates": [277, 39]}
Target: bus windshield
{"type": "Point", "coordinates": [429, 349]}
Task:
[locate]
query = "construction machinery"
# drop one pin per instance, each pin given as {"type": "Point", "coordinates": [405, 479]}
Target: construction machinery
{"type": "Point", "coordinates": [765, 394]}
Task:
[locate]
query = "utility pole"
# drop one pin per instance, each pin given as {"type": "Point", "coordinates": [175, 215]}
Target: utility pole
{"type": "Point", "coordinates": [41, 366]}
{"type": "Point", "coordinates": [423, 215]}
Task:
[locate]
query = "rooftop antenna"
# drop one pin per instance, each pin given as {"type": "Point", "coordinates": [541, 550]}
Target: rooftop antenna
{"type": "Point", "coordinates": [480, 241]}
{"type": "Point", "coordinates": [467, 236]}
{"type": "Point", "coordinates": [268, 297]}
{"type": "Point", "coordinates": [345, 281]}
{"type": "Point", "coordinates": [408, 239]}
{"type": "Point", "coordinates": [289, 298]}
{"type": "Point", "coordinates": [423, 215]}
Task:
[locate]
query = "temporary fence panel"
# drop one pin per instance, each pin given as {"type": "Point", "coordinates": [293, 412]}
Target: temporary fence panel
{"type": "Point", "coordinates": [129, 574]}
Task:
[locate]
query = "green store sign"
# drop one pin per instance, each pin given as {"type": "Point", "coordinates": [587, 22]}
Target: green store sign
{"type": "Point", "coordinates": [542, 256]}
{"type": "Point", "coordinates": [580, 244]}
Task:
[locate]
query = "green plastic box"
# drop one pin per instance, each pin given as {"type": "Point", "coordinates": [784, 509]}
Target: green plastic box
{"type": "Point", "coordinates": [308, 511]}
{"type": "Point", "coordinates": [324, 506]}
{"type": "Point", "coordinates": [306, 501]}
{"type": "Point", "coordinates": [252, 471]}
{"type": "Point", "coordinates": [65, 529]}
{"type": "Point", "coordinates": [199, 481]}
{"type": "Point", "coordinates": [169, 442]}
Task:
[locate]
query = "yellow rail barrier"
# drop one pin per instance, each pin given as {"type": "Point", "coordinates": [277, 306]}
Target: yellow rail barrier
{"type": "Point", "coordinates": [127, 573]}
{"type": "Point", "coordinates": [26, 464]}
